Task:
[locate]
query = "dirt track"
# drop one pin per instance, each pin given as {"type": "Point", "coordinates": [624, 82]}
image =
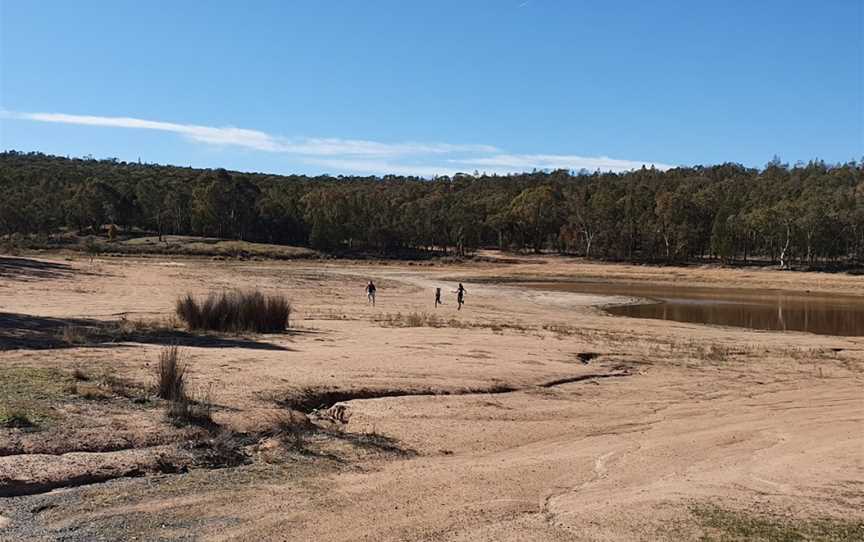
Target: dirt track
{"type": "Point", "coordinates": [762, 423]}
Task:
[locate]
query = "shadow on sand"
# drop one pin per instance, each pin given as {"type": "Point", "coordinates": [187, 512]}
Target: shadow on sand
{"type": "Point", "coordinates": [26, 269]}
{"type": "Point", "coordinates": [29, 332]}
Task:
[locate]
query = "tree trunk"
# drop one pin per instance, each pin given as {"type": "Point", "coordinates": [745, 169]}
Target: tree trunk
{"type": "Point", "coordinates": [783, 263]}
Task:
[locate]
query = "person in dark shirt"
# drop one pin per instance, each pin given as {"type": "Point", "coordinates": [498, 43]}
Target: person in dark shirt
{"type": "Point", "coordinates": [460, 297]}
{"type": "Point", "coordinates": [370, 292]}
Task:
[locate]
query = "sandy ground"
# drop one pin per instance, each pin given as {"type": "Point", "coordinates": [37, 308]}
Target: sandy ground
{"type": "Point", "coordinates": [756, 423]}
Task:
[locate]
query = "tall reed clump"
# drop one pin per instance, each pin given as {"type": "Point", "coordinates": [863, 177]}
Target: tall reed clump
{"type": "Point", "coordinates": [171, 375]}
{"type": "Point", "coordinates": [235, 311]}
{"type": "Point", "coordinates": [183, 407]}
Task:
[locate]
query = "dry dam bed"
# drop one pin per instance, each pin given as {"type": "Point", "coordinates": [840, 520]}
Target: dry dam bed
{"type": "Point", "coordinates": [531, 414]}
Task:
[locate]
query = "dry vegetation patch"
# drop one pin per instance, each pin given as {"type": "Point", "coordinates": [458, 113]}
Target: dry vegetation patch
{"type": "Point", "coordinates": [722, 524]}
{"type": "Point", "coordinates": [29, 395]}
{"type": "Point", "coordinates": [235, 311]}
{"type": "Point", "coordinates": [171, 374]}
{"type": "Point", "coordinates": [425, 319]}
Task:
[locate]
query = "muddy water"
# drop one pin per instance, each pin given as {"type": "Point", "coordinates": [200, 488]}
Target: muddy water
{"type": "Point", "coordinates": [824, 314]}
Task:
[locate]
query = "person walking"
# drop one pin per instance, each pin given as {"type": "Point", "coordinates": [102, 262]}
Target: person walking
{"type": "Point", "coordinates": [460, 297]}
{"type": "Point", "coordinates": [370, 292]}
{"type": "Point", "coordinates": [438, 297]}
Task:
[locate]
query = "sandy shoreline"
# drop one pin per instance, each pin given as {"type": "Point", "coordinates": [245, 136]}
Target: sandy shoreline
{"type": "Point", "coordinates": [694, 418]}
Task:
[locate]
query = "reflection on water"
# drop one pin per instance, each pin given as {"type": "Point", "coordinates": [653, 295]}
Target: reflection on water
{"type": "Point", "coordinates": [755, 309]}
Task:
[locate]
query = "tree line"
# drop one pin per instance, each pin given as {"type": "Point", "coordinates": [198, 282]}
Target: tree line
{"type": "Point", "coordinates": [807, 213]}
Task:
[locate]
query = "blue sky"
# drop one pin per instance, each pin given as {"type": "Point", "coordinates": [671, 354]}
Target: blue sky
{"type": "Point", "coordinates": [432, 87]}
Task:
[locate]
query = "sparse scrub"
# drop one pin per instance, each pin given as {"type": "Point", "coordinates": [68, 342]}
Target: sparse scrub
{"type": "Point", "coordinates": [188, 411]}
{"type": "Point", "coordinates": [561, 330]}
{"type": "Point", "coordinates": [725, 524]}
{"type": "Point", "coordinates": [224, 449]}
{"type": "Point", "coordinates": [417, 319]}
{"type": "Point", "coordinates": [171, 375]}
{"type": "Point", "coordinates": [127, 327]}
{"type": "Point", "coordinates": [102, 387]}
{"type": "Point", "coordinates": [712, 352]}
{"type": "Point", "coordinates": [424, 319]}
{"type": "Point", "coordinates": [235, 311]}
{"type": "Point", "coordinates": [120, 387]}
{"type": "Point", "coordinates": [72, 335]}
{"type": "Point", "coordinates": [17, 419]}
{"type": "Point", "coordinates": [290, 429]}
{"type": "Point", "coordinates": [92, 393]}
{"type": "Point", "coordinates": [117, 331]}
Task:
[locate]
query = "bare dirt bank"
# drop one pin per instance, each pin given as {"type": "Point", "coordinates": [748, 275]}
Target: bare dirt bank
{"type": "Point", "coordinates": [705, 432]}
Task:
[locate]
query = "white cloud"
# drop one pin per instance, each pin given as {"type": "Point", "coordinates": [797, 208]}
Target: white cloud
{"type": "Point", "coordinates": [355, 155]}
{"type": "Point", "coordinates": [381, 167]}
{"type": "Point", "coordinates": [262, 141]}
{"type": "Point", "coordinates": [527, 162]}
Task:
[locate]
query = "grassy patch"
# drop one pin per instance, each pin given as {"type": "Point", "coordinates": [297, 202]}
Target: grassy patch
{"type": "Point", "coordinates": [27, 395]}
{"type": "Point", "coordinates": [17, 419]}
{"type": "Point", "coordinates": [721, 524]}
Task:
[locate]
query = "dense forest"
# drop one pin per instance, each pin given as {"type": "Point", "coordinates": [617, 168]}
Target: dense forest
{"type": "Point", "coordinates": [808, 213]}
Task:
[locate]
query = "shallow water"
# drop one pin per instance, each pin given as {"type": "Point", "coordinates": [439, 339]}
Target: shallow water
{"type": "Point", "coordinates": [825, 314]}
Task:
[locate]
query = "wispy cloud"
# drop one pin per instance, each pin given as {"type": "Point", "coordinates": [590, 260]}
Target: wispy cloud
{"type": "Point", "coordinates": [527, 162]}
{"type": "Point", "coordinates": [355, 155]}
{"type": "Point", "coordinates": [382, 167]}
{"type": "Point", "coordinates": [262, 141]}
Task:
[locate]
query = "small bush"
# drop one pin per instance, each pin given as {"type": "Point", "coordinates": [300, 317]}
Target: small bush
{"type": "Point", "coordinates": [290, 429]}
{"type": "Point", "coordinates": [194, 409]}
{"type": "Point", "coordinates": [223, 449]}
{"type": "Point", "coordinates": [171, 375]}
{"type": "Point", "coordinates": [186, 411]}
{"type": "Point", "coordinates": [235, 311]}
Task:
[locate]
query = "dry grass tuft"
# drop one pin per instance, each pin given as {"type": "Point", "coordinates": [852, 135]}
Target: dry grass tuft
{"type": "Point", "coordinates": [183, 407]}
{"type": "Point", "coordinates": [223, 449]}
{"type": "Point", "coordinates": [189, 411]}
{"type": "Point", "coordinates": [290, 429]}
{"type": "Point", "coordinates": [171, 374]}
{"type": "Point", "coordinates": [235, 311]}
{"type": "Point", "coordinates": [74, 335]}
{"type": "Point", "coordinates": [418, 319]}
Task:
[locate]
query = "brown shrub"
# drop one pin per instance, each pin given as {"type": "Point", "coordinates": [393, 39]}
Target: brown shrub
{"type": "Point", "coordinates": [235, 311]}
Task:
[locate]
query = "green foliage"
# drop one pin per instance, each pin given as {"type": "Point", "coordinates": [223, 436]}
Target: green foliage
{"type": "Point", "coordinates": [806, 214]}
